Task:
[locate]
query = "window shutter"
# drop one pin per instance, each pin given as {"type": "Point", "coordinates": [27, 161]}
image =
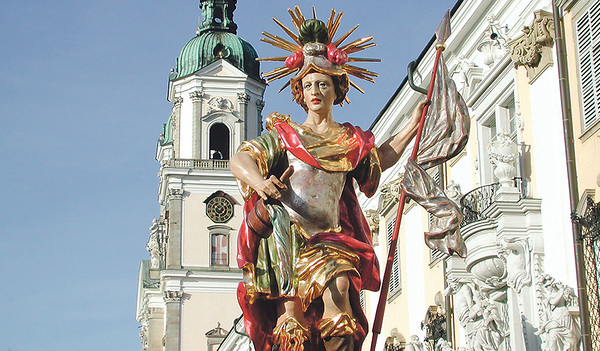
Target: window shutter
{"type": "Point", "coordinates": [395, 274]}
{"type": "Point", "coordinates": [588, 40]}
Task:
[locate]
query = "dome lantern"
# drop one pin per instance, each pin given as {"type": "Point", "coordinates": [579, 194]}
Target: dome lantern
{"type": "Point", "coordinates": [216, 39]}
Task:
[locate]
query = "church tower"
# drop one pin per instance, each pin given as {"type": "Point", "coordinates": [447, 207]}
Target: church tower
{"type": "Point", "coordinates": [187, 290]}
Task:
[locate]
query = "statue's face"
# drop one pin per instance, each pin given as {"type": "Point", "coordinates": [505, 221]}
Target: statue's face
{"type": "Point", "coordinates": [319, 92]}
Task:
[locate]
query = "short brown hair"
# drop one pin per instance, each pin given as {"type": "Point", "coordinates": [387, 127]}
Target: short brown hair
{"type": "Point", "coordinates": [340, 84]}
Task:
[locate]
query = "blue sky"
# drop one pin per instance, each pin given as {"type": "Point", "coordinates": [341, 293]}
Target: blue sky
{"type": "Point", "coordinates": [82, 103]}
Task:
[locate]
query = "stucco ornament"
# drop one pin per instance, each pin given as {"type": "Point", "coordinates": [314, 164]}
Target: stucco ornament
{"type": "Point", "coordinates": [517, 253]}
{"type": "Point", "coordinates": [488, 324]}
{"type": "Point", "coordinates": [463, 300]}
{"type": "Point", "coordinates": [559, 330]}
{"type": "Point", "coordinates": [394, 342]}
{"type": "Point", "coordinates": [494, 46]}
{"type": "Point", "coordinates": [219, 104]}
{"type": "Point", "coordinates": [144, 335]}
{"type": "Point", "coordinates": [443, 345]}
{"type": "Point", "coordinates": [454, 192]}
{"type": "Point", "coordinates": [154, 248]}
{"type": "Point", "coordinates": [415, 344]}
{"type": "Point", "coordinates": [502, 153]}
{"type": "Point", "coordinates": [390, 193]}
{"type": "Point", "coordinates": [533, 49]}
{"type": "Point", "coordinates": [372, 217]}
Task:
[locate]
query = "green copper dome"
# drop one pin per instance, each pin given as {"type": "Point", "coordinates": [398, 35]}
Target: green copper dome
{"type": "Point", "coordinates": [209, 47]}
{"type": "Point", "coordinates": [216, 39]}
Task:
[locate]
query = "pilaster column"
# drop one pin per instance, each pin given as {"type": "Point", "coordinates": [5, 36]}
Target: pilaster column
{"type": "Point", "coordinates": [197, 98]}
{"type": "Point", "coordinates": [174, 233]}
{"type": "Point", "coordinates": [175, 121]}
{"type": "Point", "coordinates": [243, 99]}
{"type": "Point", "coordinates": [260, 104]}
{"type": "Point", "coordinates": [171, 340]}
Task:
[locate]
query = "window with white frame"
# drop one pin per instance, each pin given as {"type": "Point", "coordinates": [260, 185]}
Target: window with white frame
{"type": "Point", "coordinates": [219, 142]}
{"type": "Point", "coordinates": [502, 118]}
{"type": "Point", "coordinates": [219, 254]}
{"type": "Point", "coordinates": [395, 284]}
{"type": "Point", "coordinates": [588, 48]}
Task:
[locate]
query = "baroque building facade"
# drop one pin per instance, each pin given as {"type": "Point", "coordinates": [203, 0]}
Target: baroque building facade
{"type": "Point", "coordinates": [526, 183]}
{"type": "Point", "coordinates": [187, 289]}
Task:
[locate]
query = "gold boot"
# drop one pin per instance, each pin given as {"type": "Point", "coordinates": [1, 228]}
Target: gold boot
{"type": "Point", "coordinates": [340, 332]}
{"type": "Point", "coordinates": [290, 335]}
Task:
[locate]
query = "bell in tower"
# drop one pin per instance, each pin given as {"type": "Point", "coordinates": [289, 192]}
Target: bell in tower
{"type": "Point", "coordinates": [217, 15]}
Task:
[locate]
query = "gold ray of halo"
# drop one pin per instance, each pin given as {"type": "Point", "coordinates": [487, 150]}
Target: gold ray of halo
{"type": "Point", "coordinates": [352, 84]}
{"type": "Point", "coordinates": [357, 42]}
{"type": "Point", "coordinates": [287, 84]}
{"type": "Point", "coordinates": [330, 21]}
{"type": "Point", "coordinates": [277, 58]}
{"type": "Point", "coordinates": [281, 75]}
{"type": "Point", "coordinates": [360, 48]}
{"type": "Point", "coordinates": [357, 75]}
{"type": "Point", "coordinates": [287, 31]}
{"type": "Point", "coordinates": [343, 37]}
{"type": "Point", "coordinates": [275, 71]}
{"type": "Point", "coordinates": [361, 76]}
{"type": "Point", "coordinates": [276, 44]}
{"type": "Point", "coordinates": [280, 42]}
{"type": "Point", "coordinates": [314, 13]}
{"type": "Point", "coordinates": [346, 100]}
{"type": "Point", "coordinates": [363, 59]}
{"type": "Point", "coordinates": [336, 25]}
{"type": "Point", "coordinates": [295, 20]}
{"type": "Point", "coordinates": [361, 70]}
{"type": "Point", "coordinates": [299, 14]}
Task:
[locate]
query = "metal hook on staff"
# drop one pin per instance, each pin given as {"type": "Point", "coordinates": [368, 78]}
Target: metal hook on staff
{"type": "Point", "coordinates": [412, 66]}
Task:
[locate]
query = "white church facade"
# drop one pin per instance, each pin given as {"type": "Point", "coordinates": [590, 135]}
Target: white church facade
{"type": "Point", "coordinates": [187, 290]}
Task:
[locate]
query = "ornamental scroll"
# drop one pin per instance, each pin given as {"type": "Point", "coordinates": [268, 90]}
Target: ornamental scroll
{"type": "Point", "coordinates": [533, 49]}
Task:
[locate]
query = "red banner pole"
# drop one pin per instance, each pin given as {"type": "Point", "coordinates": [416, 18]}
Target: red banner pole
{"type": "Point", "coordinates": [385, 284]}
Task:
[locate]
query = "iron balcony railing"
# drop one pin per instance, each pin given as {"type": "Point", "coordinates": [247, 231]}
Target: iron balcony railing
{"type": "Point", "coordinates": [475, 202]}
{"type": "Point", "coordinates": [198, 164]}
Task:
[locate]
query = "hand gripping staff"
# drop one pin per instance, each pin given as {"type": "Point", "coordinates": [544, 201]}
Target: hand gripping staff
{"type": "Point", "coordinates": [456, 104]}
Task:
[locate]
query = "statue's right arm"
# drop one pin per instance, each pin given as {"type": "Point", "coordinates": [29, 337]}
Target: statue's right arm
{"type": "Point", "coordinates": [245, 169]}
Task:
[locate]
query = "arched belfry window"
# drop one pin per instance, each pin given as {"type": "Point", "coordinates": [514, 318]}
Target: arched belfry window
{"type": "Point", "coordinates": [219, 142]}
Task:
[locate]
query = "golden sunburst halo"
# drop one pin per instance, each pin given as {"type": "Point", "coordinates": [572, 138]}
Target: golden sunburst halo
{"type": "Point", "coordinates": [295, 46]}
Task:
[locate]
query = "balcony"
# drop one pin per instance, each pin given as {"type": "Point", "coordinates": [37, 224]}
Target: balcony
{"type": "Point", "coordinates": [474, 203]}
{"type": "Point", "coordinates": [198, 164]}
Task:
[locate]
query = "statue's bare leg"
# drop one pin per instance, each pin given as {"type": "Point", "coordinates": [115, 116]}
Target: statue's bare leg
{"type": "Point", "coordinates": [335, 297]}
{"type": "Point", "coordinates": [338, 328]}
